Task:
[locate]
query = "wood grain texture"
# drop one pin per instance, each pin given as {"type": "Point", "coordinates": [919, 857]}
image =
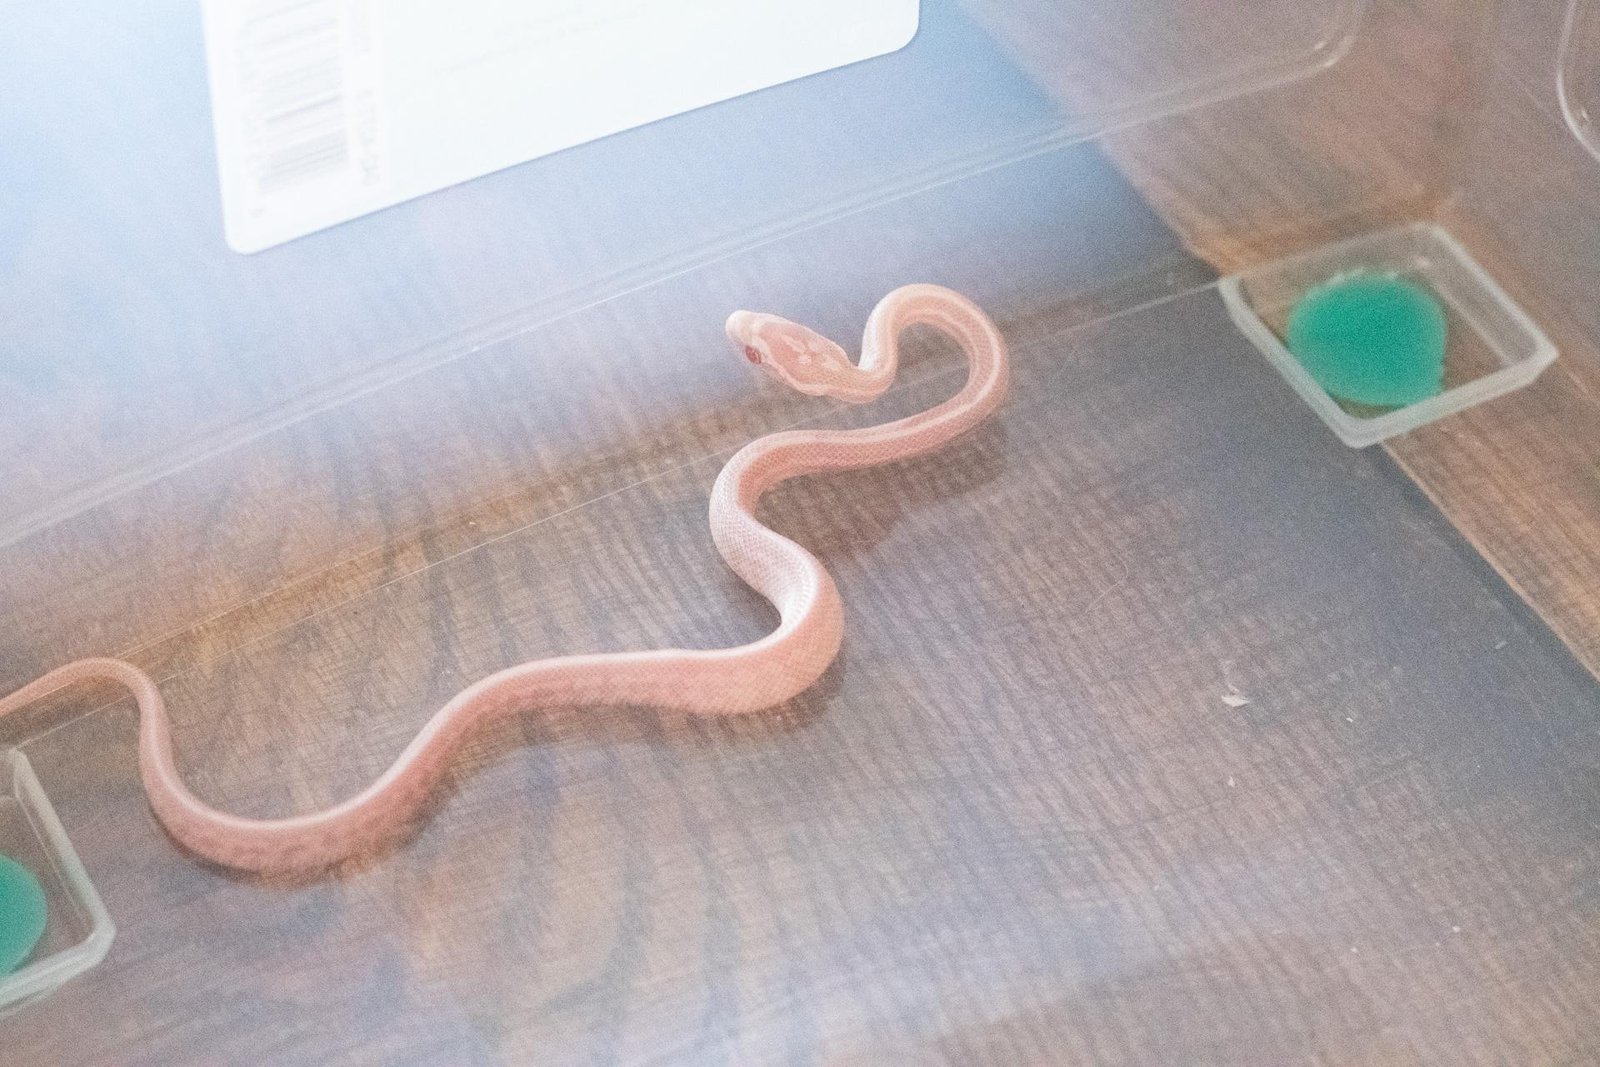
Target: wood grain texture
{"type": "Point", "coordinates": [1016, 823]}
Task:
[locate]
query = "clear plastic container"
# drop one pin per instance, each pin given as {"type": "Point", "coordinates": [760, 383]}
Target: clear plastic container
{"type": "Point", "coordinates": [1578, 74]}
{"type": "Point", "coordinates": [79, 931]}
{"type": "Point", "coordinates": [140, 344]}
{"type": "Point", "coordinates": [225, 466]}
{"type": "Point", "coordinates": [162, 394]}
{"type": "Point", "coordinates": [1493, 346]}
{"type": "Point", "coordinates": [142, 356]}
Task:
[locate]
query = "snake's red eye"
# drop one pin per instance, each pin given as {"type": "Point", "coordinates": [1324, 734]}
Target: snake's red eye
{"type": "Point", "coordinates": [751, 354]}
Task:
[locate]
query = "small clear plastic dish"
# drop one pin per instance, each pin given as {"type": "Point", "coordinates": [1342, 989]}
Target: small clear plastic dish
{"type": "Point", "coordinates": [78, 930]}
{"type": "Point", "coordinates": [1493, 346]}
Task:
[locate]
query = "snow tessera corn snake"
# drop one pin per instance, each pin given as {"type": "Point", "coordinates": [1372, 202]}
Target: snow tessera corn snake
{"type": "Point", "coordinates": [725, 681]}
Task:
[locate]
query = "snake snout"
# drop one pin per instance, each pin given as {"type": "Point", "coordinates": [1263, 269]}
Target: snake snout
{"type": "Point", "coordinates": [741, 330]}
{"type": "Point", "coordinates": [740, 327]}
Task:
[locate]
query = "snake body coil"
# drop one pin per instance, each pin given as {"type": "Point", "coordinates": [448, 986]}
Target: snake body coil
{"type": "Point", "coordinates": [727, 681]}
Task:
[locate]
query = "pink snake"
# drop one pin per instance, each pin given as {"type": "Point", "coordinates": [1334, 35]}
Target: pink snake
{"type": "Point", "coordinates": [727, 681]}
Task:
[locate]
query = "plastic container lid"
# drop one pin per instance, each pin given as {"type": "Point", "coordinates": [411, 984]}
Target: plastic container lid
{"type": "Point", "coordinates": [134, 342]}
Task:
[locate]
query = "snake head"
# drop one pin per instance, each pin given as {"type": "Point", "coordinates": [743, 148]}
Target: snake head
{"type": "Point", "coordinates": [799, 357]}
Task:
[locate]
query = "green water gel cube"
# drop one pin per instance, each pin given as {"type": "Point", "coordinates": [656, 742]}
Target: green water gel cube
{"type": "Point", "coordinates": [1373, 339]}
{"type": "Point", "coordinates": [22, 914]}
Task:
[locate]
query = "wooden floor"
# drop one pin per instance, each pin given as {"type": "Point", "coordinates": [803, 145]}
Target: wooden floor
{"type": "Point", "coordinates": [1019, 822]}
{"type": "Point", "coordinates": [1167, 729]}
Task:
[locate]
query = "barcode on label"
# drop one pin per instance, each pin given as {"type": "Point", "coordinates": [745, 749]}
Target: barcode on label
{"type": "Point", "coordinates": [296, 99]}
{"type": "Point", "coordinates": [293, 84]}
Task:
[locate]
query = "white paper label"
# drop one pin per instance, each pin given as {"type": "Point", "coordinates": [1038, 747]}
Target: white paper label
{"type": "Point", "coordinates": [326, 110]}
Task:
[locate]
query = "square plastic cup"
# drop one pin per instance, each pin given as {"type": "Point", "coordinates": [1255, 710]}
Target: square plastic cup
{"type": "Point", "coordinates": [79, 931]}
{"type": "Point", "coordinates": [1493, 346]}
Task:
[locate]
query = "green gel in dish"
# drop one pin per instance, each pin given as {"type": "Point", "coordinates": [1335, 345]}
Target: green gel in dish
{"type": "Point", "coordinates": [22, 914]}
{"type": "Point", "coordinates": [1371, 339]}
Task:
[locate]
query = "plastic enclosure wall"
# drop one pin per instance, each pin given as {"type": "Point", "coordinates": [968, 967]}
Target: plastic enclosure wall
{"type": "Point", "coordinates": [1579, 73]}
{"type": "Point", "coordinates": [405, 379]}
